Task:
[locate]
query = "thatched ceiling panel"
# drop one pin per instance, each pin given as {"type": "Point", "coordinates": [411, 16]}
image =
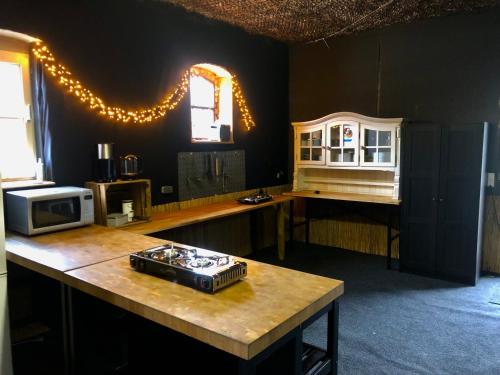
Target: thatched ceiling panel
{"type": "Point", "coordinates": [308, 20]}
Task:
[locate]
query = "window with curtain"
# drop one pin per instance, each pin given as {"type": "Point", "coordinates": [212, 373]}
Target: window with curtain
{"type": "Point", "coordinates": [210, 89]}
{"type": "Point", "coordinates": [17, 150]}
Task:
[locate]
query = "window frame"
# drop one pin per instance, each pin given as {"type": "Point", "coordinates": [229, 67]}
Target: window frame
{"type": "Point", "coordinates": [17, 52]}
{"type": "Point", "coordinates": [222, 74]}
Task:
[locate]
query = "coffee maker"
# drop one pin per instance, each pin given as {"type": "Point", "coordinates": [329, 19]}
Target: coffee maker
{"type": "Point", "coordinates": [104, 164]}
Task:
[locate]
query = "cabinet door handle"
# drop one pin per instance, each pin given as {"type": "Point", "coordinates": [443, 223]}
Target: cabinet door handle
{"type": "Point", "coordinates": [434, 199]}
{"type": "Point", "coordinates": [441, 199]}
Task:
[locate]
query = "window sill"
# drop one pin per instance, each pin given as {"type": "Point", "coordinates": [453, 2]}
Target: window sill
{"type": "Point", "coordinates": [7, 185]}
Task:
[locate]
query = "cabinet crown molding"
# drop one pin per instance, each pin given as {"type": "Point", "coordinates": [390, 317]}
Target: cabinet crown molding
{"type": "Point", "coordinates": [350, 116]}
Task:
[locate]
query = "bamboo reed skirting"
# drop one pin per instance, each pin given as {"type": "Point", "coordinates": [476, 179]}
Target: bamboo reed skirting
{"type": "Point", "coordinates": [491, 238]}
{"type": "Point", "coordinates": [351, 233]}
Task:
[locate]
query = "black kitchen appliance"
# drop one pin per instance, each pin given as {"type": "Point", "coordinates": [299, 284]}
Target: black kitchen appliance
{"type": "Point", "coordinates": [130, 167]}
{"type": "Point", "coordinates": [256, 198]}
{"type": "Point", "coordinates": [104, 164]}
{"type": "Point", "coordinates": [197, 268]}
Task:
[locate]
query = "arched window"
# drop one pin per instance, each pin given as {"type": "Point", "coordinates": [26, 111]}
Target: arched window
{"type": "Point", "coordinates": [211, 92]}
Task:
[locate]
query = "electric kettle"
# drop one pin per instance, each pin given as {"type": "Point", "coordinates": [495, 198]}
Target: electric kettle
{"type": "Point", "coordinates": [130, 166]}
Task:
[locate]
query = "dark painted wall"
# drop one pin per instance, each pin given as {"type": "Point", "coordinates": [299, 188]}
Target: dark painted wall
{"type": "Point", "coordinates": [438, 70]}
{"type": "Point", "coordinates": [130, 53]}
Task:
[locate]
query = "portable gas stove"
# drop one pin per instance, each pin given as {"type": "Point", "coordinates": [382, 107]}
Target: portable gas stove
{"type": "Point", "coordinates": [200, 269]}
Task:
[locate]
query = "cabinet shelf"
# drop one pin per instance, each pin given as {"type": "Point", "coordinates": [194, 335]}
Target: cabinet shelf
{"type": "Point", "coordinates": [356, 168]}
{"type": "Point", "coordinates": [133, 222]}
{"type": "Point", "coordinates": [109, 195]}
{"type": "Point", "coordinates": [326, 180]}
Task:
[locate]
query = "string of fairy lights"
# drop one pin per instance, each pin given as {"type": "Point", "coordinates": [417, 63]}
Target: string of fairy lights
{"type": "Point", "coordinates": [93, 102]}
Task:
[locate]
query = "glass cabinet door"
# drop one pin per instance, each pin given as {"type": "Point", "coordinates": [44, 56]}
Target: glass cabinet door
{"type": "Point", "coordinates": [311, 147]}
{"type": "Point", "coordinates": [342, 143]}
{"type": "Point", "coordinates": [378, 146]}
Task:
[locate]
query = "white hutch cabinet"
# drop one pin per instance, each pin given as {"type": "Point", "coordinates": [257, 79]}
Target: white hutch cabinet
{"type": "Point", "coordinates": [348, 152]}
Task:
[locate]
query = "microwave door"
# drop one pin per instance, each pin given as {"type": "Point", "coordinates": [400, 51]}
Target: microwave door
{"type": "Point", "coordinates": [53, 212]}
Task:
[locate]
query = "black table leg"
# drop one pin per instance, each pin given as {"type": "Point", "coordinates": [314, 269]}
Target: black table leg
{"type": "Point", "coordinates": [332, 350]}
{"type": "Point", "coordinates": [290, 225]}
{"type": "Point", "coordinates": [67, 329]}
{"type": "Point", "coordinates": [253, 230]}
{"type": "Point", "coordinates": [294, 337]}
{"type": "Point", "coordinates": [297, 352]}
{"type": "Point", "coordinates": [389, 236]}
{"type": "Point", "coordinates": [246, 367]}
{"type": "Point", "coordinates": [307, 218]}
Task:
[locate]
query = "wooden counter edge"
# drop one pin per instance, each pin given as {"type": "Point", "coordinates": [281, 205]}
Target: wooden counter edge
{"type": "Point", "coordinates": [220, 341]}
{"type": "Point", "coordinates": [204, 335]}
{"type": "Point", "coordinates": [350, 197]}
{"type": "Point", "coordinates": [272, 336]}
{"type": "Point", "coordinates": [155, 224]}
{"type": "Point", "coordinates": [35, 266]}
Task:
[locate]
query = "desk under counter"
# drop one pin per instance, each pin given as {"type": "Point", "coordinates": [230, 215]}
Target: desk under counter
{"type": "Point", "coordinates": [194, 215]}
{"type": "Point", "coordinates": [387, 203]}
{"type": "Point", "coordinates": [250, 319]}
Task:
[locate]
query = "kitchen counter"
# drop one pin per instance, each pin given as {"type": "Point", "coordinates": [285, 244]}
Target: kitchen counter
{"type": "Point", "coordinates": [54, 253]}
{"type": "Point", "coordinates": [189, 216]}
{"type": "Point", "coordinates": [245, 319]}
{"type": "Point", "coordinates": [242, 319]}
{"type": "Point", "coordinates": [194, 215]}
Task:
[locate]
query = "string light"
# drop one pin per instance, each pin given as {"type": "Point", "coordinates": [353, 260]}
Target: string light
{"type": "Point", "coordinates": [141, 116]}
{"type": "Point", "coordinates": [244, 111]}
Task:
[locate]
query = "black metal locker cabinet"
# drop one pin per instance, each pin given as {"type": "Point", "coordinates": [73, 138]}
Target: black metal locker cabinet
{"type": "Point", "coordinates": [443, 186]}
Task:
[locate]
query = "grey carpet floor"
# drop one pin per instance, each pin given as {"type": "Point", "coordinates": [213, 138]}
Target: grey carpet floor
{"type": "Point", "coordinates": [398, 323]}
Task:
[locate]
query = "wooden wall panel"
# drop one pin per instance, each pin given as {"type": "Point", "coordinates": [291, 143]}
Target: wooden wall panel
{"type": "Point", "coordinates": [491, 239]}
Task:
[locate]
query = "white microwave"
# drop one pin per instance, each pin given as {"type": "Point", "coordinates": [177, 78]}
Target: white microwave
{"type": "Point", "coordinates": [38, 211]}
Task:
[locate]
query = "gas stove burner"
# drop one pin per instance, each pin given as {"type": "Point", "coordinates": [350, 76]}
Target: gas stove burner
{"type": "Point", "coordinates": [201, 263]}
{"type": "Point", "coordinates": [198, 268]}
{"type": "Point", "coordinates": [164, 255]}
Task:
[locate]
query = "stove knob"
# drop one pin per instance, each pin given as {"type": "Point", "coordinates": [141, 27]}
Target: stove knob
{"type": "Point", "coordinates": [204, 283]}
{"type": "Point", "coordinates": [140, 265]}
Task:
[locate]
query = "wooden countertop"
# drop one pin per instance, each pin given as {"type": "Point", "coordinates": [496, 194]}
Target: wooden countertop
{"type": "Point", "coordinates": [55, 253]}
{"type": "Point", "coordinates": [188, 216]}
{"type": "Point", "coordinates": [369, 198]}
{"type": "Point", "coordinates": [242, 319]}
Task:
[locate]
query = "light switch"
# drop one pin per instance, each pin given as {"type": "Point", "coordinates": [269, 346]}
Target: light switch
{"type": "Point", "coordinates": [491, 180]}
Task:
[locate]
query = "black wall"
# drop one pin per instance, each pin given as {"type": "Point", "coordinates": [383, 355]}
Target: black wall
{"type": "Point", "coordinates": [439, 70]}
{"type": "Point", "coordinates": [130, 52]}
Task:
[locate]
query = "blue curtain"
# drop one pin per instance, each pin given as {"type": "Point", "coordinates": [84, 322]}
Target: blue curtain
{"type": "Point", "coordinates": [41, 117]}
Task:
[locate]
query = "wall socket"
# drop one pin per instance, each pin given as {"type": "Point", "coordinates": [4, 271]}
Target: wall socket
{"type": "Point", "coordinates": [167, 189]}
